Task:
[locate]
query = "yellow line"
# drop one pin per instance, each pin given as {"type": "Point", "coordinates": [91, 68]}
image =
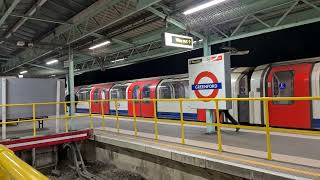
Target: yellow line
{"type": "Point", "coordinates": [277, 167]}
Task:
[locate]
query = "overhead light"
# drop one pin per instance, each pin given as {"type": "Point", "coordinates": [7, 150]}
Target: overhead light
{"type": "Point", "coordinates": [52, 75]}
{"type": "Point", "coordinates": [23, 72]}
{"type": "Point", "coordinates": [100, 45]}
{"type": "Point", "coordinates": [20, 76]}
{"type": "Point", "coordinates": [202, 6]}
{"type": "Point", "coordinates": [117, 60]}
{"type": "Point", "coordinates": [52, 62]}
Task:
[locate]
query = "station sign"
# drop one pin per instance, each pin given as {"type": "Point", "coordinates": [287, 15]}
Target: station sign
{"type": "Point", "coordinates": [210, 77]}
{"type": "Point", "coordinates": [176, 40]}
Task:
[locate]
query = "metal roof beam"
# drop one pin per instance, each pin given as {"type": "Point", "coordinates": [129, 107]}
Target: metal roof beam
{"type": "Point", "coordinates": [43, 67]}
{"type": "Point", "coordinates": [9, 11]}
{"type": "Point", "coordinates": [174, 22]}
{"type": "Point", "coordinates": [30, 12]}
{"type": "Point", "coordinates": [40, 19]}
{"type": "Point", "coordinates": [90, 12]}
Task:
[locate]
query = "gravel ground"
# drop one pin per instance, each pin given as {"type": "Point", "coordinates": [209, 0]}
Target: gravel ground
{"type": "Point", "coordinates": [103, 170]}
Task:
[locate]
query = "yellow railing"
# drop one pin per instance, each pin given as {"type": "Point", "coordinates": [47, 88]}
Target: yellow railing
{"type": "Point", "coordinates": [12, 167]}
{"type": "Point", "coordinates": [66, 117]}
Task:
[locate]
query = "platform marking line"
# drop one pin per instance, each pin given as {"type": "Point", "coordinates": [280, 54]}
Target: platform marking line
{"type": "Point", "coordinates": [235, 159]}
{"type": "Point", "coordinates": [46, 140]}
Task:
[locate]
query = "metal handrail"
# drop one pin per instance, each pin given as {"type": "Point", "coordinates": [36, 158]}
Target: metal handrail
{"type": "Point", "coordinates": [182, 123]}
{"type": "Point", "coordinates": [17, 169]}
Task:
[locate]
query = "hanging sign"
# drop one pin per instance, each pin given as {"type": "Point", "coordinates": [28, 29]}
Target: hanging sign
{"type": "Point", "coordinates": [176, 40]}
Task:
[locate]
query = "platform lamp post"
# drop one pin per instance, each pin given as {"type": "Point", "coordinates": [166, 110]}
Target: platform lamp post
{"type": "Point", "coordinates": [71, 88]}
{"type": "Point", "coordinates": [209, 112]}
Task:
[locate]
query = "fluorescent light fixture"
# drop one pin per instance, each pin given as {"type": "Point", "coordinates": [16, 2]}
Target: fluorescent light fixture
{"type": "Point", "coordinates": [52, 75]}
{"type": "Point", "coordinates": [117, 60]}
{"type": "Point", "coordinates": [202, 6]}
{"type": "Point", "coordinates": [100, 45]}
{"type": "Point", "coordinates": [52, 62]}
{"type": "Point", "coordinates": [20, 76]}
{"type": "Point", "coordinates": [23, 72]}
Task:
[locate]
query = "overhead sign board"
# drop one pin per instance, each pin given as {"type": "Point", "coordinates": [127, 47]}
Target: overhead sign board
{"type": "Point", "coordinates": [176, 40]}
{"type": "Point", "coordinates": [210, 77]}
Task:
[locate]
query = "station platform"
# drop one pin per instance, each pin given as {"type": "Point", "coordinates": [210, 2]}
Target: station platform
{"type": "Point", "coordinates": [227, 163]}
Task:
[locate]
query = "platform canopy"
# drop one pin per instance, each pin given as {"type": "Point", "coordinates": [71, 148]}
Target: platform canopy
{"type": "Point", "coordinates": [33, 32]}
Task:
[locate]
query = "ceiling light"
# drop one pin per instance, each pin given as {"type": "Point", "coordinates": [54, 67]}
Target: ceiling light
{"type": "Point", "coordinates": [203, 6]}
{"type": "Point", "coordinates": [23, 72]}
{"type": "Point", "coordinates": [52, 62]}
{"type": "Point", "coordinates": [117, 60]}
{"type": "Point", "coordinates": [20, 76]}
{"type": "Point", "coordinates": [99, 45]}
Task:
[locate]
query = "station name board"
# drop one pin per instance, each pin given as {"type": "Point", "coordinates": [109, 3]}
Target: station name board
{"type": "Point", "coordinates": [176, 40]}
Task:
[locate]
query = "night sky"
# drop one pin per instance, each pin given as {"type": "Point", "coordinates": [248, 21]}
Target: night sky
{"type": "Point", "coordinates": [289, 44]}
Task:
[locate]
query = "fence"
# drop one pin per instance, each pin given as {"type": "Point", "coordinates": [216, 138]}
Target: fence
{"type": "Point", "coordinates": [66, 117]}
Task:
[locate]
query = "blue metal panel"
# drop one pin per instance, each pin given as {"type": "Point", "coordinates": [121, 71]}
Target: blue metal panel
{"type": "Point", "coordinates": [176, 115]}
{"type": "Point", "coordinates": [316, 123]}
{"type": "Point", "coordinates": [120, 112]}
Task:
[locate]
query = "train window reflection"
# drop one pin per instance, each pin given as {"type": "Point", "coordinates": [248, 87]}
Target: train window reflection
{"type": "Point", "coordinates": [84, 94]}
{"type": "Point", "coordinates": [283, 86]}
{"type": "Point", "coordinates": [174, 89]}
{"type": "Point", "coordinates": [136, 92]}
{"type": "Point", "coordinates": [96, 94]}
{"type": "Point", "coordinates": [165, 91]}
{"type": "Point", "coordinates": [146, 92]}
{"type": "Point", "coordinates": [118, 92]}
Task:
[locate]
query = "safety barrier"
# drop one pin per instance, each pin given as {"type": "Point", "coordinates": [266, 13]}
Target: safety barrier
{"type": "Point", "coordinates": [267, 129]}
{"type": "Point", "coordinates": [12, 167]}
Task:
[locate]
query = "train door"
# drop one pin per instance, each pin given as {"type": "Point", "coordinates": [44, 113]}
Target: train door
{"type": "Point", "coordinates": [148, 92]}
{"type": "Point", "coordinates": [104, 96]}
{"type": "Point", "coordinates": [144, 91]}
{"type": "Point", "coordinates": [95, 95]}
{"type": "Point", "coordinates": [136, 94]}
{"type": "Point", "coordinates": [290, 81]}
{"type": "Point", "coordinates": [243, 106]}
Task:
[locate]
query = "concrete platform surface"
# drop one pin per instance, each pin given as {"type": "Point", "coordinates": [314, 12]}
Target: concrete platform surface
{"type": "Point", "coordinates": [234, 164]}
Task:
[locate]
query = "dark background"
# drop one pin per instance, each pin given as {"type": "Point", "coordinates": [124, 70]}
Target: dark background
{"type": "Point", "coordinates": [294, 43]}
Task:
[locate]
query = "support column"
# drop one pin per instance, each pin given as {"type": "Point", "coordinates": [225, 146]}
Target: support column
{"type": "Point", "coordinates": [71, 88]}
{"type": "Point", "coordinates": [4, 108]}
{"type": "Point", "coordinates": [209, 112]}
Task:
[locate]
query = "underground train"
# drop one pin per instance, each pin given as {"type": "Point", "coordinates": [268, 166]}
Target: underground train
{"type": "Point", "coordinates": [298, 78]}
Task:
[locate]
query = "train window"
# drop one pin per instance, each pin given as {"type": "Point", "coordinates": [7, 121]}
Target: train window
{"type": "Point", "coordinates": [96, 94]}
{"type": "Point", "coordinates": [165, 91]}
{"type": "Point", "coordinates": [136, 92]}
{"type": "Point", "coordinates": [180, 89]}
{"type": "Point", "coordinates": [146, 93]}
{"type": "Point", "coordinates": [282, 86]}
{"type": "Point", "coordinates": [104, 94]}
{"type": "Point", "coordinates": [118, 92]}
{"type": "Point", "coordinates": [243, 84]}
{"type": "Point", "coordinates": [84, 94]}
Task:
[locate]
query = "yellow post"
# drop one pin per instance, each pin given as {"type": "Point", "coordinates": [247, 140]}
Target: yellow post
{"type": "Point", "coordinates": [218, 126]}
{"type": "Point", "coordinates": [266, 115]}
{"type": "Point", "coordinates": [134, 118]}
{"type": "Point", "coordinates": [66, 117]}
{"type": "Point", "coordinates": [102, 113]}
{"type": "Point", "coordinates": [34, 120]}
{"type": "Point", "coordinates": [156, 133]}
{"type": "Point", "coordinates": [182, 122]}
{"type": "Point", "coordinates": [117, 116]}
{"type": "Point", "coordinates": [90, 115]}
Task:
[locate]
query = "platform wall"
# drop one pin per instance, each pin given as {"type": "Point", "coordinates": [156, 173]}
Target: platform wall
{"type": "Point", "coordinates": [25, 91]}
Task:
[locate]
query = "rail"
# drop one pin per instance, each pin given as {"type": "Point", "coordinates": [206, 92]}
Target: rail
{"type": "Point", "coordinates": [266, 128]}
{"type": "Point", "coordinates": [12, 167]}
